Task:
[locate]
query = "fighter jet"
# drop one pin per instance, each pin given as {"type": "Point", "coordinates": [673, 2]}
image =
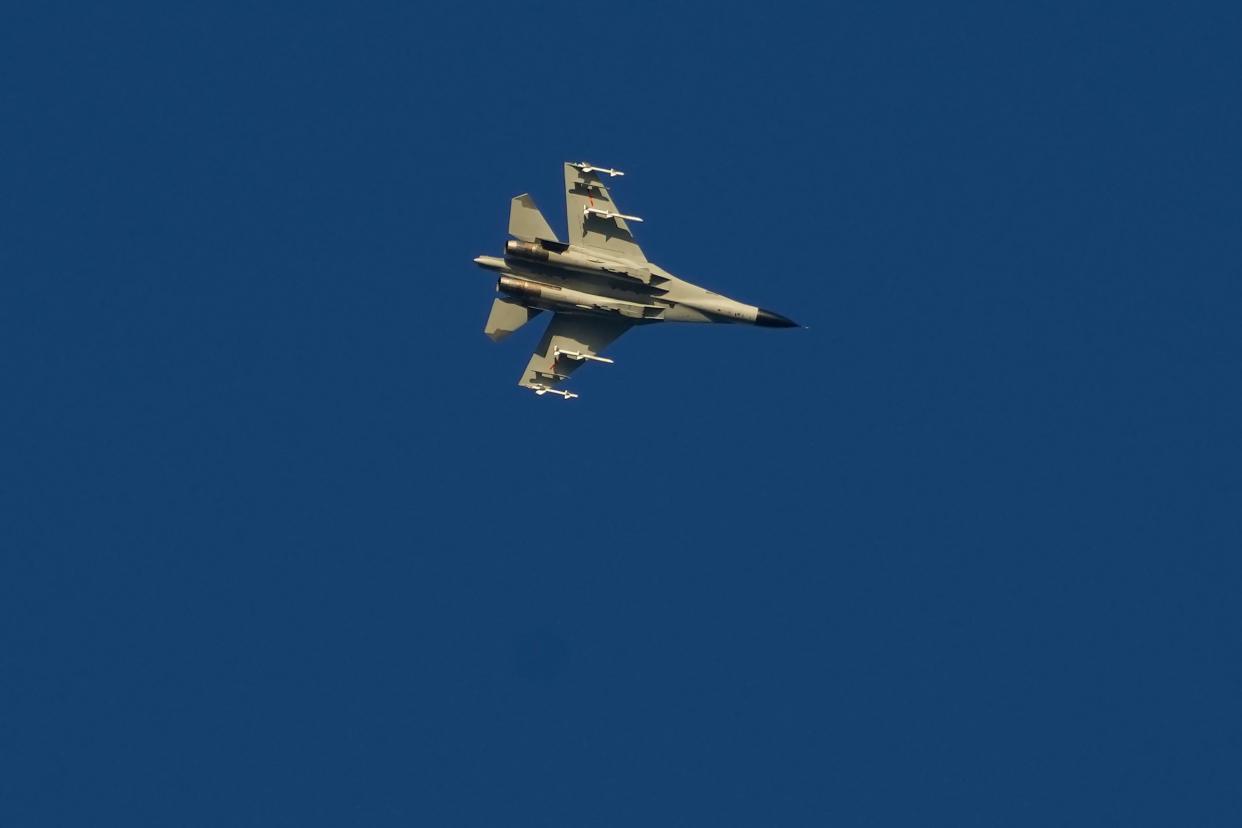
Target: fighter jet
{"type": "Point", "coordinates": [597, 285]}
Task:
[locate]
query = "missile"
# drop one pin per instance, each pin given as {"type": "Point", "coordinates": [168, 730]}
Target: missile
{"type": "Point", "coordinates": [558, 352]}
{"type": "Point", "coordinates": [589, 168]}
{"type": "Point", "coordinates": [606, 214]}
{"type": "Point", "coordinates": [543, 389]}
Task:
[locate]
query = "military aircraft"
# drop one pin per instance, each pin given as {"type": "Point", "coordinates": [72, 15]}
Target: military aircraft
{"type": "Point", "coordinates": [597, 285]}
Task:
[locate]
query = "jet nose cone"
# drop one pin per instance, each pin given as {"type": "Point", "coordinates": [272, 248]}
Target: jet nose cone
{"type": "Point", "coordinates": [769, 319]}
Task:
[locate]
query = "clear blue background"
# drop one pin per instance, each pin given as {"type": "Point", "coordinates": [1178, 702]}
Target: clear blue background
{"type": "Point", "coordinates": [283, 544]}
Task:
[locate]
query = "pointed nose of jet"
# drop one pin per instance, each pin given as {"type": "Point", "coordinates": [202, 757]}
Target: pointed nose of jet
{"type": "Point", "coordinates": [768, 319]}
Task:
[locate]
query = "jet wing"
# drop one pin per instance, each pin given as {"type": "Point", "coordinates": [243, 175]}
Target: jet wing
{"type": "Point", "coordinates": [594, 220]}
{"type": "Point", "coordinates": [571, 340]}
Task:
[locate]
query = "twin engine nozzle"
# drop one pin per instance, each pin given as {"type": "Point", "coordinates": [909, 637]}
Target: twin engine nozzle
{"type": "Point", "coordinates": [514, 286]}
{"type": "Point", "coordinates": [532, 251]}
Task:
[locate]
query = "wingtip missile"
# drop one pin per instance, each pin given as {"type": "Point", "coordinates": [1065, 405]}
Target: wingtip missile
{"type": "Point", "coordinates": [540, 390]}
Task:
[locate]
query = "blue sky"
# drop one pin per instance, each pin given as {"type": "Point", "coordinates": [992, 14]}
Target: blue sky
{"type": "Point", "coordinates": [283, 544]}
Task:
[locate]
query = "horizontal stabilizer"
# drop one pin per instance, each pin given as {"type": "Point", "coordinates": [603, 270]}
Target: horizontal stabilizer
{"type": "Point", "coordinates": [506, 317]}
{"type": "Point", "coordinates": [526, 222]}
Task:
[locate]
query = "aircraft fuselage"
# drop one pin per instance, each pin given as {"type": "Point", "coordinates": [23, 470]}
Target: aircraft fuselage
{"type": "Point", "coordinates": [569, 280]}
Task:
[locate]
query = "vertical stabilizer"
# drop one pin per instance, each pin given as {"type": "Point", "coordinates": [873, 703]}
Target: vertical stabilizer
{"type": "Point", "coordinates": [526, 222]}
{"type": "Point", "coordinates": [506, 317]}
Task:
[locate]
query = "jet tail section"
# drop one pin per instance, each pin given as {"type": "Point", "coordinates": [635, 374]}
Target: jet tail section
{"type": "Point", "coordinates": [526, 222]}
{"type": "Point", "coordinates": [506, 317]}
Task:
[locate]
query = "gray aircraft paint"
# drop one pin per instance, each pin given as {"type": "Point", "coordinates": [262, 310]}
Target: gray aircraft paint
{"type": "Point", "coordinates": [597, 285]}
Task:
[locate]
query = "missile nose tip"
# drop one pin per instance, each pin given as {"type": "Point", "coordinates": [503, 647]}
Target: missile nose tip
{"type": "Point", "coordinates": [771, 319]}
